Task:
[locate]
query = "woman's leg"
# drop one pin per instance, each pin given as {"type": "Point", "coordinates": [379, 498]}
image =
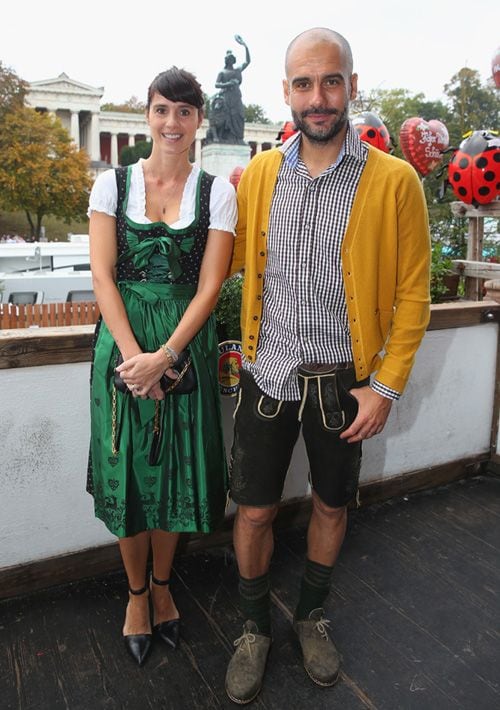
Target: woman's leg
{"type": "Point", "coordinates": [164, 545]}
{"type": "Point", "coordinates": [135, 551]}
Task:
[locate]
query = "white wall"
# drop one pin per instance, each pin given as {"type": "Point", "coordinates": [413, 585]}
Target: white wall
{"type": "Point", "coordinates": [444, 415]}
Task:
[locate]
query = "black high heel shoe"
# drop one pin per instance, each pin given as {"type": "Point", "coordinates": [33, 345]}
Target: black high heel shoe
{"type": "Point", "coordinates": [138, 645]}
{"type": "Point", "coordinates": [168, 631]}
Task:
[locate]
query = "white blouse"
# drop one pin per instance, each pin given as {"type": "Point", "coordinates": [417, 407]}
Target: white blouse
{"type": "Point", "coordinates": [223, 210]}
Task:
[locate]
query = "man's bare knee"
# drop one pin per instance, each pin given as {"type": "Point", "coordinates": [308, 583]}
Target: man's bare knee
{"type": "Point", "coordinates": [324, 510]}
{"type": "Point", "coordinates": [256, 517]}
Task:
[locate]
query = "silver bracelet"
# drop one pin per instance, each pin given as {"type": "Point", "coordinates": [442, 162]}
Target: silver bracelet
{"type": "Point", "coordinates": [170, 354]}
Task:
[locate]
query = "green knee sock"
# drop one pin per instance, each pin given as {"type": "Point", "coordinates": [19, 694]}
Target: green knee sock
{"type": "Point", "coordinates": [255, 601]}
{"type": "Point", "coordinates": [314, 589]}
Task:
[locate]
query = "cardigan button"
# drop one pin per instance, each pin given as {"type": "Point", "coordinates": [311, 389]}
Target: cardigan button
{"type": "Point", "coordinates": [256, 317]}
{"type": "Point", "coordinates": [251, 337]}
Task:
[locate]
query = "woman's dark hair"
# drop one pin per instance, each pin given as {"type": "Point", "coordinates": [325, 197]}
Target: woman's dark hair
{"type": "Point", "coordinates": [177, 85]}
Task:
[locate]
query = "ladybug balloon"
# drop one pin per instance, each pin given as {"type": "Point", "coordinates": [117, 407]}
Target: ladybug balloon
{"type": "Point", "coordinates": [371, 129]}
{"type": "Point", "coordinates": [474, 170]}
{"type": "Point", "coordinates": [423, 143]}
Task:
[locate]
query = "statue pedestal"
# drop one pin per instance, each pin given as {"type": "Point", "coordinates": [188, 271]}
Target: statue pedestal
{"type": "Point", "coordinates": [221, 158]}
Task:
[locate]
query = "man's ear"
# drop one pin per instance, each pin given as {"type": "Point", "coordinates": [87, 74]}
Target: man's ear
{"type": "Point", "coordinates": [354, 87]}
{"type": "Point", "coordinates": [286, 91]}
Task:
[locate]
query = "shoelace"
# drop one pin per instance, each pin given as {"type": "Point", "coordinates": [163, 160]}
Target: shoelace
{"type": "Point", "coordinates": [322, 626]}
{"type": "Point", "coordinates": [245, 641]}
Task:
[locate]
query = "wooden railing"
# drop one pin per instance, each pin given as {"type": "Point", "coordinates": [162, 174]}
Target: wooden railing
{"type": "Point", "coordinates": [43, 315]}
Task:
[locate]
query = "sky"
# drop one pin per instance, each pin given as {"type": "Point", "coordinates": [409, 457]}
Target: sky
{"type": "Point", "coordinates": [121, 46]}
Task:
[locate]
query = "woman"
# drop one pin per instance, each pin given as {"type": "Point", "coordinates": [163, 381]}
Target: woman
{"type": "Point", "coordinates": [161, 238]}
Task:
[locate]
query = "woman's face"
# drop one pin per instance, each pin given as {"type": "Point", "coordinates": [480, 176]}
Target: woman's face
{"type": "Point", "coordinates": [173, 124]}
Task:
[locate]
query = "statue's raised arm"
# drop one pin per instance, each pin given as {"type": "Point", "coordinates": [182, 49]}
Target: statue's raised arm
{"type": "Point", "coordinates": [241, 41]}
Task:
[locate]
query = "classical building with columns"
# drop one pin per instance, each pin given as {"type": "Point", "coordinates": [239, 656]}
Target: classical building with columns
{"type": "Point", "coordinates": [104, 133]}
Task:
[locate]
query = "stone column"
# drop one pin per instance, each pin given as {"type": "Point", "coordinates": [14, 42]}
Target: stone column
{"type": "Point", "coordinates": [131, 140]}
{"type": "Point", "coordinates": [75, 128]}
{"type": "Point", "coordinates": [197, 151]}
{"type": "Point", "coordinates": [95, 143]}
{"type": "Point", "coordinates": [114, 149]}
{"type": "Point", "coordinates": [258, 147]}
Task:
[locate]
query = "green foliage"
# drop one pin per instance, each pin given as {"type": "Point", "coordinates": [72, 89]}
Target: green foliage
{"type": "Point", "coordinates": [133, 105]}
{"type": "Point", "coordinates": [451, 233]}
{"type": "Point", "coordinates": [472, 106]}
{"type": "Point", "coordinates": [227, 311]}
{"type": "Point", "coordinates": [255, 114]}
{"type": "Point", "coordinates": [130, 154]}
{"type": "Point", "coordinates": [441, 267]}
{"type": "Point", "coordinates": [12, 91]}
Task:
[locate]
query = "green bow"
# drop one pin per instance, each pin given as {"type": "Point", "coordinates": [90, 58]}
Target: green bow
{"type": "Point", "coordinates": [141, 252]}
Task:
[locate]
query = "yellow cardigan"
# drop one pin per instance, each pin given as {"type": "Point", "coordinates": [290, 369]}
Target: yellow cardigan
{"type": "Point", "coordinates": [385, 262]}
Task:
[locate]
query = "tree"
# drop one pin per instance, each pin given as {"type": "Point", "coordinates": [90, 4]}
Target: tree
{"type": "Point", "coordinates": [255, 114]}
{"type": "Point", "coordinates": [12, 91]}
{"type": "Point", "coordinates": [472, 106]}
{"type": "Point", "coordinates": [41, 171]}
{"type": "Point", "coordinates": [131, 153]}
{"type": "Point", "coordinates": [132, 105]}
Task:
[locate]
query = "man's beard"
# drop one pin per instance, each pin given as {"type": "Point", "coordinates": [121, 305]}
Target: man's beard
{"type": "Point", "coordinates": [320, 134]}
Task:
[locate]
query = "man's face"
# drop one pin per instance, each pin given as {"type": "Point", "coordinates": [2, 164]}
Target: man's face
{"type": "Point", "coordinates": [318, 89]}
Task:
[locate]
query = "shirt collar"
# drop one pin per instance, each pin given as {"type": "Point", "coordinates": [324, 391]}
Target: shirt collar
{"type": "Point", "coordinates": [353, 146]}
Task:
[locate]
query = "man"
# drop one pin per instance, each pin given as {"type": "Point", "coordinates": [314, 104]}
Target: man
{"type": "Point", "coordinates": [333, 238]}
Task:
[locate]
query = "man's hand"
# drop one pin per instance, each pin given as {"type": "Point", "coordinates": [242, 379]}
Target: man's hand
{"type": "Point", "coordinates": [372, 415]}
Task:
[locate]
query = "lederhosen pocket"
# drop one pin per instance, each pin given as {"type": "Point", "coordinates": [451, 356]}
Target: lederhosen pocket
{"type": "Point", "coordinates": [337, 406]}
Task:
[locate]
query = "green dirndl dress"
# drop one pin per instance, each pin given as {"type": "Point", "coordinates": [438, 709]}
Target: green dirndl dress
{"type": "Point", "coordinates": [185, 491]}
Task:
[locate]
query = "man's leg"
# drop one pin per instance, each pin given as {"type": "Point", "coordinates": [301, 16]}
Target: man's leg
{"type": "Point", "coordinates": [264, 436]}
{"type": "Point", "coordinates": [328, 410]}
{"type": "Point", "coordinates": [253, 544]}
{"type": "Point", "coordinates": [325, 536]}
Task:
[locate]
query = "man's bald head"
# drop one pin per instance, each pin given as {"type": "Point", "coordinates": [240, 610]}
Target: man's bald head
{"type": "Point", "coordinates": [318, 35]}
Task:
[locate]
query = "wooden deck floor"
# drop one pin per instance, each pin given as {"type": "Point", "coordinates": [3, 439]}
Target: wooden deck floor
{"type": "Point", "coordinates": [415, 612]}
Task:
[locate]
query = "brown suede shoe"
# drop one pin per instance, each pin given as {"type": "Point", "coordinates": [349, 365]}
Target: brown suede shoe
{"type": "Point", "coordinates": [246, 668]}
{"type": "Point", "coordinates": [321, 658]}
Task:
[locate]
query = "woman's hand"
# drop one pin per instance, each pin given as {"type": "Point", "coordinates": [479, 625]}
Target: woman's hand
{"type": "Point", "coordinates": [142, 374]}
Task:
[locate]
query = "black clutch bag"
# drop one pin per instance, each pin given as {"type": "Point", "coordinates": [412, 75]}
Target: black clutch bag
{"type": "Point", "coordinates": [184, 383]}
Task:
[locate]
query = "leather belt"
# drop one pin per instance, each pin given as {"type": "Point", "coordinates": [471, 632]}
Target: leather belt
{"type": "Point", "coordinates": [321, 368]}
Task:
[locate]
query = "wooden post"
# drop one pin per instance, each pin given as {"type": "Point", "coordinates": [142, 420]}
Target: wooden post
{"type": "Point", "coordinates": [475, 215]}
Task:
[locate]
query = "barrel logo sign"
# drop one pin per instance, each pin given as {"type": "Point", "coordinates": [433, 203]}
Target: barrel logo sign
{"type": "Point", "coordinates": [229, 367]}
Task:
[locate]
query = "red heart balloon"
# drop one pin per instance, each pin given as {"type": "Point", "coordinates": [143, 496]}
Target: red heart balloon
{"type": "Point", "coordinates": [422, 143]}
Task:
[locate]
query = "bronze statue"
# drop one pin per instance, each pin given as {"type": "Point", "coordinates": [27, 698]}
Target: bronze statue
{"type": "Point", "coordinates": [227, 113]}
